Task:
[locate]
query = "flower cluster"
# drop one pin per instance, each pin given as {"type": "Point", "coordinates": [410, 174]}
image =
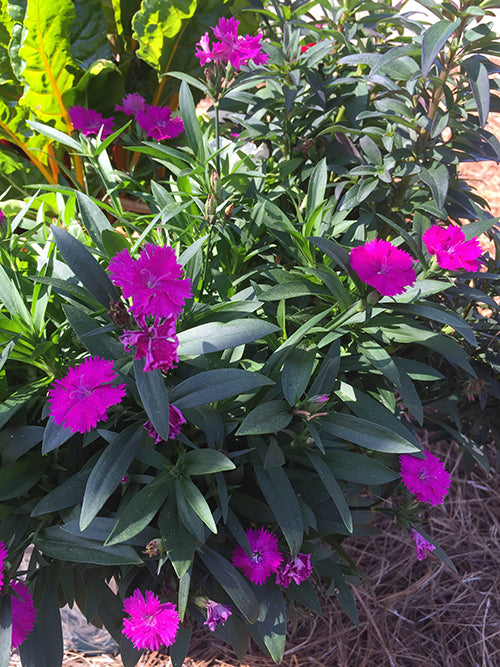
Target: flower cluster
{"type": "Point", "coordinates": [21, 600]}
{"type": "Point", "coordinates": [89, 121]}
{"type": "Point", "coordinates": [152, 623]}
{"type": "Point", "coordinates": [231, 48]}
{"type": "Point", "coordinates": [427, 478]}
{"type": "Point", "coordinates": [82, 397]}
{"type": "Point", "coordinates": [389, 270]}
{"type": "Point", "coordinates": [155, 121]}
{"type": "Point", "coordinates": [264, 557]}
{"type": "Point", "coordinates": [422, 545]}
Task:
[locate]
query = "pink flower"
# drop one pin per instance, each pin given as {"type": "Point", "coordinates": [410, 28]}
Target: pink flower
{"type": "Point", "coordinates": [264, 559]}
{"type": "Point", "coordinates": [82, 397]}
{"type": "Point", "coordinates": [175, 422]}
{"type": "Point", "coordinates": [152, 623]}
{"type": "Point", "coordinates": [158, 343]}
{"type": "Point", "coordinates": [23, 613]}
{"type": "Point", "coordinates": [131, 104]}
{"type": "Point", "coordinates": [452, 251]}
{"type": "Point", "coordinates": [237, 50]}
{"type": "Point", "coordinates": [2, 217]}
{"type": "Point", "coordinates": [383, 266]}
{"type": "Point", "coordinates": [423, 547]}
{"type": "Point", "coordinates": [297, 569]}
{"type": "Point", "coordinates": [427, 478]}
{"type": "Point", "coordinates": [217, 614]}
{"type": "Point", "coordinates": [157, 124]}
{"type": "Point", "coordinates": [89, 121]}
{"type": "Point", "coordinates": [154, 281]}
{"type": "Point", "coordinates": [305, 47]}
{"type": "Point", "coordinates": [3, 558]}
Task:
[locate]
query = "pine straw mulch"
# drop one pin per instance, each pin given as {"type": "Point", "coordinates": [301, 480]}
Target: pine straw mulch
{"type": "Point", "coordinates": [411, 613]}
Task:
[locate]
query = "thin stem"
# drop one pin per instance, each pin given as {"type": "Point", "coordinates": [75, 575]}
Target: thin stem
{"type": "Point", "coordinates": [217, 137]}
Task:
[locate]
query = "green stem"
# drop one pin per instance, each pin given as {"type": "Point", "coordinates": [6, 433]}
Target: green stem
{"type": "Point", "coordinates": [207, 260]}
{"type": "Point", "coordinates": [217, 136]}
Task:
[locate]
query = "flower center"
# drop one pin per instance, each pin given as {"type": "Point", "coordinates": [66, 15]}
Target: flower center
{"type": "Point", "coordinates": [422, 474]}
{"type": "Point", "coordinates": [256, 556]}
{"type": "Point", "coordinates": [80, 392]}
{"type": "Point", "coordinates": [151, 279]}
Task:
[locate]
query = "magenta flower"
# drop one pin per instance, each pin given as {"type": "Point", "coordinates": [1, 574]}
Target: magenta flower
{"type": "Point", "coordinates": [427, 478]}
{"type": "Point", "coordinates": [452, 251]}
{"type": "Point", "coordinates": [23, 613]}
{"type": "Point", "coordinates": [158, 343]}
{"type": "Point", "coordinates": [297, 569]}
{"type": "Point", "coordinates": [422, 545]}
{"type": "Point", "coordinates": [154, 281]}
{"type": "Point", "coordinates": [383, 266]}
{"type": "Point", "coordinates": [89, 121]}
{"type": "Point", "coordinates": [234, 49]}
{"type": "Point", "coordinates": [82, 397]}
{"type": "Point", "coordinates": [217, 614]}
{"type": "Point", "coordinates": [131, 104]}
{"type": "Point", "coordinates": [3, 558]}
{"type": "Point", "coordinates": [265, 558]}
{"type": "Point", "coordinates": [157, 123]}
{"type": "Point", "coordinates": [2, 217]}
{"type": "Point", "coordinates": [152, 623]}
{"type": "Point", "coordinates": [175, 422]}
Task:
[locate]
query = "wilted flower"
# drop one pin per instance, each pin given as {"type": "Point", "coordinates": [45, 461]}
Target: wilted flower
{"type": "Point", "coordinates": [155, 548]}
{"type": "Point", "coordinates": [232, 48]}
{"type": "Point", "coordinates": [157, 122]}
{"type": "Point", "coordinates": [427, 478]}
{"type": "Point", "coordinates": [158, 343]}
{"type": "Point", "coordinates": [383, 266]}
{"type": "Point", "coordinates": [152, 623]}
{"type": "Point", "coordinates": [131, 104]}
{"type": "Point", "coordinates": [217, 614]}
{"type": "Point", "coordinates": [264, 558]}
{"type": "Point", "coordinates": [90, 121]}
{"type": "Point", "coordinates": [154, 281]}
{"type": "Point", "coordinates": [175, 419]}
{"type": "Point", "coordinates": [82, 397]}
{"type": "Point", "coordinates": [452, 251]}
{"type": "Point", "coordinates": [422, 545]}
{"type": "Point", "coordinates": [297, 569]}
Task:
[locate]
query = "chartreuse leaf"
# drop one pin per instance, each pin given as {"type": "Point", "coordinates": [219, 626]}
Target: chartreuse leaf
{"type": "Point", "coordinates": [270, 629]}
{"type": "Point", "coordinates": [206, 462]}
{"type": "Point", "coordinates": [49, 65]}
{"type": "Point", "coordinates": [197, 502]}
{"type": "Point", "coordinates": [154, 397]}
{"type": "Point", "coordinates": [435, 37]}
{"type": "Point", "coordinates": [332, 486]}
{"type": "Point", "coordinates": [179, 543]}
{"type": "Point", "coordinates": [140, 511]}
{"type": "Point", "coordinates": [155, 23]}
{"type": "Point", "coordinates": [232, 582]}
{"type": "Point", "coordinates": [108, 472]}
{"type": "Point", "coordinates": [5, 630]}
{"type": "Point", "coordinates": [365, 434]}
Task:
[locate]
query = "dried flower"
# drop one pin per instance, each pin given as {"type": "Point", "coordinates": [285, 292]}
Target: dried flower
{"type": "Point", "coordinates": [427, 478]}
{"type": "Point", "coordinates": [383, 266]}
{"type": "Point", "coordinates": [154, 281]}
{"type": "Point", "coordinates": [89, 121]}
{"type": "Point", "coordinates": [264, 558]}
{"type": "Point", "coordinates": [422, 545]}
{"type": "Point", "coordinates": [233, 48]}
{"type": "Point", "coordinates": [82, 397]}
{"type": "Point", "coordinates": [152, 623]}
{"type": "Point", "coordinates": [297, 569]}
{"type": "Point", "coordinates": [131, 104]}
{"type": "Point", "coordinates": [176, 420]}
{"type": "Point", "coordinates": [157, 123]}
{"type": "Point", "coordinates": [155, 548]}
{"type": "Point", "coordinates": [23, 613]}
{"type": "Point", "coordinates": [217, 614]}
{"type": "Point", "coordinates": [452, 251]}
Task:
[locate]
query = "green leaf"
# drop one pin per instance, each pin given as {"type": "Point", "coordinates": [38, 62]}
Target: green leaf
{"type": "Point", "coordinates": [89, 41]}
{"type": "Point", "coordinates": [154, 397]}
{"type": "Point", "coordinates": [197, 502]}
{"type": "Point", "coordinates": [108, 472]}
{"type": "Point", "coordinates": [49, 66]}
{"type": "Point", "coordinates": [58, 543]}
{"type": "Point", "coordinates": [437, 178]}
{"type": "Point", "coordinates": [5, 630]}
{"type": "Point", "coordinates": [11, 405]}
{"type": "Point", "coordinates": [12, 298]}
{"type": "Point", "coordinates": [232, 582]}
{"type": "Point", "coordinates": [480, 85]}
{"type": "Point", "coordinates": [270, 628]}
{"type": "Point", "coordinates": [190, 120]}
{"type": "Point", "coordinates": [217, 336]}
{"type": "Point", "coordinates": [216, 385]}
{"type": "Point", "coordinates": [365, 434]}
{"type": "Point", "coordinates": [433, 40]}
{"type": "Point", "coordinates": [179, 543]}
{"type": "Point", "coordinates": [269, 417]}
{"type": "Point", "coordinates": [85, 267]}
{"type": "Point", "coordinates": [87, 330]}
{"type": "Point", "coordinates": [68, 494]}
{"type": "Point", "coordinates": [93, 219]}
{"type": "Point", "coordinates": [359, 468]}
{"type": "Point", "coordinates": [292, 289]}
{"type": "Point", "coordinates": [439, 314]}
{"type": "Point", "coordinates": [16, 441]}
{"type": "Point", "coordinates": [56, 135]}
{"type": "Point", "coordinates": [282, 500]}
{"type": "Point", "coordinates": [206, 462]}
{"type": "Point", "coordinates": [332, 486]}
{"type": "Point", "coordinates": [317, 187]}
{"type": "Point", "coordinates": [43, 647]}
{"type": "Point", "coordinates": [54, 436]}
{"type": "Point", "coordinates": [296, 374]}
{"type": "Point", "coordinates": [140, 511]}
{"type": "Point", "coordinates": [157, 22]}
{"type": "Point", "coordinates": [19, 477]}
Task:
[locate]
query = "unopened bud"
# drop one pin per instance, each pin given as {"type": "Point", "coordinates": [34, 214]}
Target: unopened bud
{"type": "Point", "coordinates": [155, 548]}
{"type": "Point", "coordinates": [210, 209]}
{"type": "Point", "coordinates": [118, 313]}
{"type": "Point", "coordinates": [228, 211]}
{"type": "Point", "coordinates": [215, 185]}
